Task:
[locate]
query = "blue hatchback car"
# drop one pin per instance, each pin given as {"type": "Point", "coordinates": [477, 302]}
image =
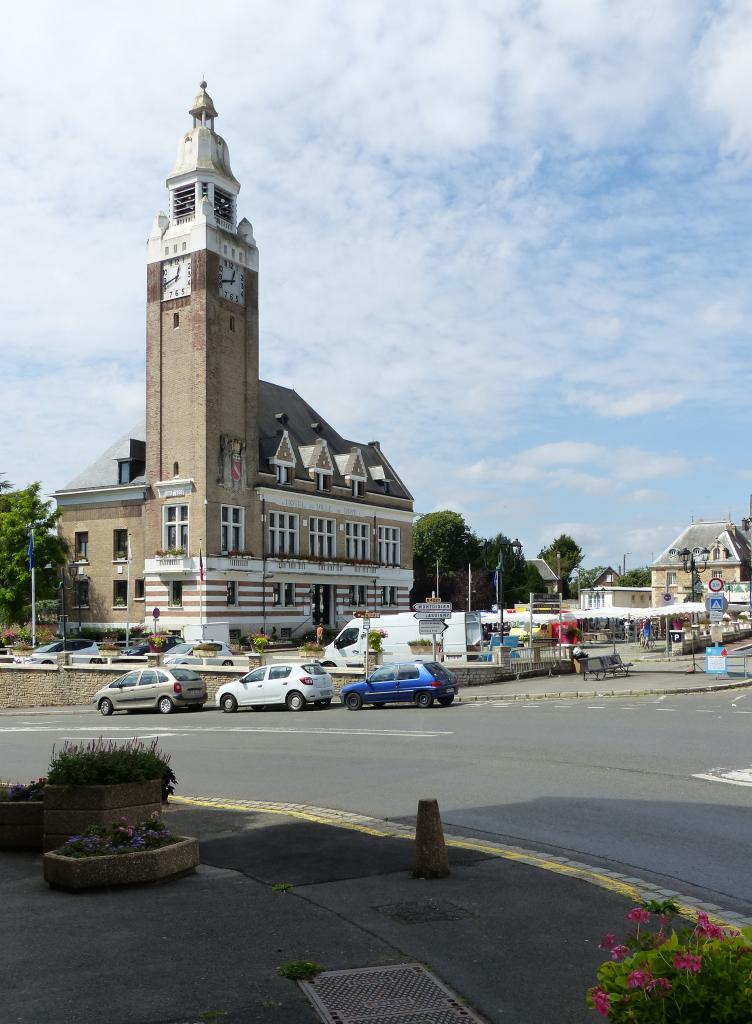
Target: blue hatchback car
{"type": "Point", "coordinates": [409, 682]}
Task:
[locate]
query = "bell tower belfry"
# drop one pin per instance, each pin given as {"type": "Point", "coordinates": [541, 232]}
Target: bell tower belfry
{"type": "Point", "coordinates": [201, 348]}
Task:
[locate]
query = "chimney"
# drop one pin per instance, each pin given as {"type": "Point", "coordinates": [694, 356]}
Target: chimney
{"type": "Point", "coordinates": [375, 444]}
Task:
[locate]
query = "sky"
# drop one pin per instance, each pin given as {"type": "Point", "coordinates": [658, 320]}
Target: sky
{"type": "Point", "coordinates": [509, 239]}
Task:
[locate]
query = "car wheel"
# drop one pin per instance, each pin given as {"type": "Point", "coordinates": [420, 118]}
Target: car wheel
{"type": "Point", "coordinates": [446, 701]}
{"type": "Point", "coordinates": [328, 664]}
{"type": "Point", "coordinates": [228, 703]}
{"type": "Point", "coordinates": [227, 663]}
{"type": "Point", "coordinates": [47, 663]}
{"type": "Point", "coordinates": [165, 706]}
{"type": "Point", "coordinates": [97, 661]}
{"type": "Point", "coordinates": [295, 701]}
{"type": "Point", "coordinates": [353, 702]}
{"type": "Point", "coordinates": [424, 700]}
{"type": "Point", "coordinates": [106, 706]}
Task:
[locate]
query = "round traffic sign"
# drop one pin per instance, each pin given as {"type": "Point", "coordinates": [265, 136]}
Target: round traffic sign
{"type": "Point", "coordinates": [715, 584]}
{"type": "Point", "coordinates": [667, 597]}
{"type": "Point", "coordinates": [155, 613]}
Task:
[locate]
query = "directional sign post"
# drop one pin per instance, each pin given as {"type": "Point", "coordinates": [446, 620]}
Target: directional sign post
{"type": "Point", "coordinates": [430, 616]}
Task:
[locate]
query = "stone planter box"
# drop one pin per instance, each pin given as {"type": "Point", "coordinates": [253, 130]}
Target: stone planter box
{"type": "Point", "coordinates": [77, 873]}
{"type": "Point", "coordinates": [21, 824]}
{"type": "Point", "coordinates": [69, 810]}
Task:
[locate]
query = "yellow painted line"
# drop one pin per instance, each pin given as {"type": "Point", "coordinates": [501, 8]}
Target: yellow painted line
{"type": "Point", "coordinates": [320, 816]}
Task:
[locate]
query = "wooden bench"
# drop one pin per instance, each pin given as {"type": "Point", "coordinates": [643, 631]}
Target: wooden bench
{"type": "Point", "coordinates": [606, 664]}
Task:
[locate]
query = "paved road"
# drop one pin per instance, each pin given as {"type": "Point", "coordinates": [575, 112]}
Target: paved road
{"type": "Point", "coordinates": [655, 787]}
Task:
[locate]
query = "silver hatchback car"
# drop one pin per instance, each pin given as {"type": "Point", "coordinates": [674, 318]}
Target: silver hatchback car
{"type": "Point", "coordinates": [155, 689]}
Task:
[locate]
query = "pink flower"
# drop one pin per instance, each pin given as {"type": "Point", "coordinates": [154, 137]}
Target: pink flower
{"type": "Point", "coordinates": [708, 930]}
{"type": "Point", "coordinates": [639, 915]}
{"type": "Point", "coordinates": [619, 952]}
{"type": "Point", "coordinates": [639, 979]}
{"type": "Point", "coordinates": [658, 983]}
{"type": "Point", "coordinates": [688, 962]}
{"type": "Point", "coordinates": [601, 1001]}
{"type": "Point", "coordinates": [608, 941]}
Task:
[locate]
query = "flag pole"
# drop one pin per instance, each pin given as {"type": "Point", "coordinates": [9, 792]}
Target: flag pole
{"type": "Point", "coordinates": [201, 590]}
{"type": "Point", "coordinates": [32, 567]}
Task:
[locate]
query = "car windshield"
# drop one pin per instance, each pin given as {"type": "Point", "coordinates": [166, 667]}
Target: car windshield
{"type": "Point", "coordinates": [181, 649]}
{"type": "Point", "coordinates": [438, 671]}
{"type": "Point", "coordinates": [314, 669]}
{"type": "Point", "coordinates": [49, 648]}
{"type": "Point", "coordinates": [185, 675]}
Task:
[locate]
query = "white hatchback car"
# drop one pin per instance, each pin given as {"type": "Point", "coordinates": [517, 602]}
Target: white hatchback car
{"type": "Point", "coordinates": [295, 685]}
{"type": "Point", "coordinates": [182, 654]}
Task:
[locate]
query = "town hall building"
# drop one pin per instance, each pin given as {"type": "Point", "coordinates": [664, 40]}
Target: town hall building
{"type": "Point", "coordinates": [234, 501]}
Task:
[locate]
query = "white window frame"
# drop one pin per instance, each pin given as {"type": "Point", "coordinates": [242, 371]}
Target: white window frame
{"type": "Point", "coordinates": [175, 586]}
{"type": "Point", "coordinates": [357, 541]}
{"type": "Point", "coordinates": [388, 597]}
{"type": "Point", "coordinates": [670, 579]}
{"type": "Point", "coordinates": [283, 474]}
{"type": "Point", "coordinates": [358, 595]}
{"type": "Point", "coordinates": [322, 537]}
{"type": "Point", "coordinates": [179, 525]}
{"type": "Point", "coordinates": [357, 486]}
{"type": "Point", "coordinates": [232, 591]}
{"type": "Point", "coordinates": [283, 595]}
{"type": "Point", "coordinates": [232, 528]}
{"type": "Point", "coordinates": [283, 533]}
{"type": "Point", "coordinates": [389, 545]}
{"type": "Point", "coordinates": [322, 479]}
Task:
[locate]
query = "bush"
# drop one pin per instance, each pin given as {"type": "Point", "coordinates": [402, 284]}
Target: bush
{"type": "Point", "coordinates": [104, 763]}
{"type": "Point", "coordinates": [702, 973]}
{"type": "Point", "coordinates": [118, 838]}
{"type": "Point", "coordinates": [311, 650]}
{"type": "Point", "coordinates": [375, 636]}
{"type": "Point", "coordinates": [19, 792]}
{"type": "Point", "coordinates": [260, 642]}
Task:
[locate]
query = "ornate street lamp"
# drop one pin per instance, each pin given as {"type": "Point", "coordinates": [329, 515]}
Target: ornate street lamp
{"type": "Point", "coordinates": [516, 550]}
{"type": "Point", "coordinates": [691, 563]}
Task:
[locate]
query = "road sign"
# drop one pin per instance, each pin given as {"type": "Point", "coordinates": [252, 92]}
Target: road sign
{"type": "Point", "coordinates": [361, 615]}
{"type": "Point", "coordinates": [431, 615]}
{"type": "Point", "coordinates": [716, 603]}
{"type": "Point", "coordinates": [438, 608]}
{"type": "Point", "coordinates": [715, 659]}
{"type": "Point", "coordinates": [155, 613]}
{"type": "Point", "coordinates": [432, 626]}
{"type": "Point", "coordinates": [667, 597]}
{"type": "Point", "coordinates": [715, 585]}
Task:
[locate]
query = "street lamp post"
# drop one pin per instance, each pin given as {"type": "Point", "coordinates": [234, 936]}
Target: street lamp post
{"type": "Point", "coordinates": [690, 563]}
{"type": "Point", "coordinates": [516, 549]}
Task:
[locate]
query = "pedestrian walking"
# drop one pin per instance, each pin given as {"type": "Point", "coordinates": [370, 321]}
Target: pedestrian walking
{"type": "Point", "coordinates": [320, 635]}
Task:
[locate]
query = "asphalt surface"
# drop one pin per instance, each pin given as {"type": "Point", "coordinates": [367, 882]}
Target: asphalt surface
{"type": "Point", "coordinates": [517, 943]}
{"type": "Point", "coordinates": [612, 781]}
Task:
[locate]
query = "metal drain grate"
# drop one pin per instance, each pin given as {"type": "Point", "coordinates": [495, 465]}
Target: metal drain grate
{"type": "Point", "coordinates": [400, 994]}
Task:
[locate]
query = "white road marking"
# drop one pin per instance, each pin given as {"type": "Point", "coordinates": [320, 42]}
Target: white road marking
{"type": "Point", "coordinates": [595, 707]}
{"type": "Point", "coordinates": [665, 709]}
{"type": "Point", "coordinates": [704, 711]}
{"type": "Point", "coordinates": [92, 730]}
{"type": "Point", "coordinates": [732, 777]}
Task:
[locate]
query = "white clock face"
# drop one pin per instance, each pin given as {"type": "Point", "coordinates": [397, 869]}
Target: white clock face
{"type": "Point", "coordinates": [231, 281]}
{"type": "Point", "coordinates": [176, 277]}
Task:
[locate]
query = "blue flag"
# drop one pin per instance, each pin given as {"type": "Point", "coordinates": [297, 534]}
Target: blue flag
{"type": "Point", "coordinates": [30, 550]}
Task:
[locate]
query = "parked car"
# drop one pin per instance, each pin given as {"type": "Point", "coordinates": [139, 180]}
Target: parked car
{"type": "Point", "coordinates": [155, 689]}
{"type": "Point", "coordinates": [295, 685]}
{"type": "Point", "coordinates": [83, 650]}
{"type": "Point", "coordinates": [136, 650]}
{"type": "Point", "coordinates": [413, 682]}
{"type": "Point", "coordinates": [182, 654]}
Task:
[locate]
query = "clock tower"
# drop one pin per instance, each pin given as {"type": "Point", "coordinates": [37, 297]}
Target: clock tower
{"type": "Point", "coordinates": [201, 349]}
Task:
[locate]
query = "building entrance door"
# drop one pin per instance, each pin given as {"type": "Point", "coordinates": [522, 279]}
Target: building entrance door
{"type": "Point", "coordinates": [321, 604]}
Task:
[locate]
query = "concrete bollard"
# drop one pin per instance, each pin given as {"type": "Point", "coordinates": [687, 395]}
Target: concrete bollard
{"type": "Point", "coordinates": [431, 859]}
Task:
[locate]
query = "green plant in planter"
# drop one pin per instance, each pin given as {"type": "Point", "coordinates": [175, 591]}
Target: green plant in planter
{"type": "Point", "coordinates": [260, 643]}
{"type": "Point", "coordinates": [311, 650]}
{"type": "Point", "coordinates": [118, 838]}
{"type": "Point", "coordinates": [22, 793]}
{"type": "Point", "coordinates": [422, 643]}
{"type": "Point", "coordinates": [375, 637]}
{"type": "Point", "coordinates": [106, 763]}
{"type": "Point", "coordinates": [158, 641]}
{"type": "Point", "coordinates": [699, 974]}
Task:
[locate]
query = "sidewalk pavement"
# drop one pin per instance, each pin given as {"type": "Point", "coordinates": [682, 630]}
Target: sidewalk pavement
{"type": "Point", "coordinates": [517, 941]}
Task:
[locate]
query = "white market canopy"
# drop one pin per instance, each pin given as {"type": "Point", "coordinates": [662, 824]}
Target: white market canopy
{"type": "Point", "coordinates": [521, 618]}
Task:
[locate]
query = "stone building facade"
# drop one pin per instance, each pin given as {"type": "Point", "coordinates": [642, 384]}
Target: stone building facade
{"type": "Point", "coordinates": [235, 501]}
{"type": "Point", "coordinates": [720, 548]}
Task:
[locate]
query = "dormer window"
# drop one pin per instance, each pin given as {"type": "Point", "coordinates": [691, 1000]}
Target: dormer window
{"type": "Point", "coordinates": [223, 205]}
{"type": "Point", "coordinates": [284, 475]}
{"type": "Point", "coordinates": [124, 471]}
{"type": "Point", "coordinates": [357, 488]}
{"type": "Point", "coordinates": [323, 480]}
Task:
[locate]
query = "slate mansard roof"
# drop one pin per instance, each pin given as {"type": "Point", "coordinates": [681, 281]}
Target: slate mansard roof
{"type": "Point", "coordinates": [281, 411]}
{"type": "Point", "coordinates": [708, 535]}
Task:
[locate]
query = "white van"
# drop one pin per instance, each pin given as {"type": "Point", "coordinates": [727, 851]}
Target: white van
{"type": "Point", "coordinates": [462, 635]}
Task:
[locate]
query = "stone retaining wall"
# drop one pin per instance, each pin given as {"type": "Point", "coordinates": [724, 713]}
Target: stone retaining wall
{"type": "Point", "coordinates": [58, 686]}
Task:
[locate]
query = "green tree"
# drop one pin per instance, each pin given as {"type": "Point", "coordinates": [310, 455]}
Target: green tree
{"type": "Point", "coordinates": [18, 511]}
{"type": "Point", "coordinates": [570, 554]}
{"type": "Point", "coordinates": [442, 537]}
{"type": "Point", "coordinates": [640, 577]}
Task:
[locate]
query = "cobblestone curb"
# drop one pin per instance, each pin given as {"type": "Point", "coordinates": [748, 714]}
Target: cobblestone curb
{"type": "Point", "coordinates": [633, 888]}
